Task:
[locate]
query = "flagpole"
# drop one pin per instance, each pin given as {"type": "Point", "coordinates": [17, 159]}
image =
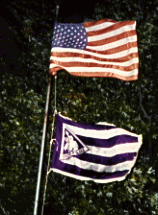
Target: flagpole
{"type": "Point", "coordinates": [44, 137]}
{"type": "Point", "coordinates": [42, 146]}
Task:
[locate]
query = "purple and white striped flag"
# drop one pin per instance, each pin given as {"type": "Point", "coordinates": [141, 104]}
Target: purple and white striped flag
{"type": "Point", "coordinates": [102, 153]}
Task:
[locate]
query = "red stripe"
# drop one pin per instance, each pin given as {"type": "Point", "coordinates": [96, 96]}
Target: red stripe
{"type": "Point", "coordinates": [112, 39]}
{"type": "Point", "coordinates": [104, 74]}
{"type": "Point", "coordinates": [110, 28]}
{"type": "Point", "coordinates": [90, 24]}
{"type": "Point", "coordinates": [115, 50]}
{"type": "Point", "coordinates": [83, 64]}
{"type": "Point", "coordinates": [86, 56]}
{"type": "Point", "coordinates": [54, 70]}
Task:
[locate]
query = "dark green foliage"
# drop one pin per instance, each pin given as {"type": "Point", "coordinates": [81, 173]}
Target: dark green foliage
{"type": "Point", "coordinates": [24, 59]}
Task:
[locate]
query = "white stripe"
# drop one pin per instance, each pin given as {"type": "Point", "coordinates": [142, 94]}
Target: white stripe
{"type": "Point", "coordinates": [112, 33]}
{"type": "Point", "coordinates": [115, 150]}
{"type": "Point", "coordinates": [99, 167]}
{"type": "Point", "coordinates": [114, 44]}
{"type": "Point", "coordinates": [97, 69]}
{"type": "Point", "coordinates": [90, 60]}
{"type": "Point", "coordinates": [111, 56]}
{"type": "Point", "coordinates": [79, 177]}
{"type": "Point", "coordinates": [105, 123]}
{"type": "Point", "coordinates": [99, 26]}
{"type": "Point", "coordinates": [99, 134]}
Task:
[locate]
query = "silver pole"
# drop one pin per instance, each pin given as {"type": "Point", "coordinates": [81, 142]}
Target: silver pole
{"type": "Point", "coordinates": [42, 147]}
{"type": "Point", "coordinates": [43, 137]}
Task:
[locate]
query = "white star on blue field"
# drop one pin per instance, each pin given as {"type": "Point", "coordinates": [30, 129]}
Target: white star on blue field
{"type": "Point", "coordinates": [69, 36]}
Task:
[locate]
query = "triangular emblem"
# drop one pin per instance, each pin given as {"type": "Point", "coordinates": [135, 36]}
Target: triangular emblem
{"type": "Point", "coordinates": [71, 145]}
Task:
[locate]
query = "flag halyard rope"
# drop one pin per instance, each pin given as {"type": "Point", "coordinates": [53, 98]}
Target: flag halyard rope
{"type": "Point", "coordinates": [48, 171]}
{"type": "Point", "coordinates": [55, 99]}
{"type": "Point", "coordinates": [50, 148]}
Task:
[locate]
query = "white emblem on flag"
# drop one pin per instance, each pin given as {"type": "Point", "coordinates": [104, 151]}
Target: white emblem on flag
{"type": "Point", "coordinates": [71, 145]}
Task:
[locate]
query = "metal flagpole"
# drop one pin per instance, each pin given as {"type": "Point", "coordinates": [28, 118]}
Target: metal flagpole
{"type": "Point", "coordinates": [42, 147]}
{"type": "Point", "coordinates": [43, 139]}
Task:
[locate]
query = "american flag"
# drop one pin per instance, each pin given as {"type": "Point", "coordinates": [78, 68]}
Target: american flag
{"type": "Point", "coordinates": [103, 48]}
{"type": "Point", "coordinates": [101, 153]}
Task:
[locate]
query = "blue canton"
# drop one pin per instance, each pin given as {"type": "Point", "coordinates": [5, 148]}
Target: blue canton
{"type": "Point", "coordinates": [69, 36]}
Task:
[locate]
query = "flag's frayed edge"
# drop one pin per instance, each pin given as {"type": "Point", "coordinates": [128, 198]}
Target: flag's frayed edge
{"type": "Point", "coordinates": [83, 178]}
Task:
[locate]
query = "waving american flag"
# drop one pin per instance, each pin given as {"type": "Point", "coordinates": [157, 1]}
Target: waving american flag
{"type": "Point", "coordinates": [103, 48]}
